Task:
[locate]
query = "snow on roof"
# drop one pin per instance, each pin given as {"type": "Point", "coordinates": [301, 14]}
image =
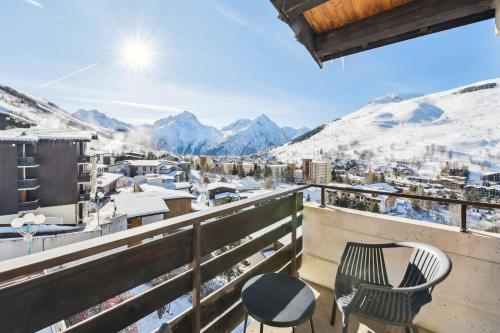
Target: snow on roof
{"type": "Point", "coordinates": [137, 204]}
{"type": "Point", "coordinates": [225, 195]}
{"type": "Point", "coordinates": [9, 114]}
{"type": "Point", "coordinates": [164, 193]}
{"type": "Point", "coordinates": [213, 186]}
{"type": "Point", "coordinates": [247, 183]}
{"type": "Point", "coordinates": [35, 135]}
{"type": "Point", "coordinates": [151, 163]}
{"type": "Point", "coordinates": [177, 186]}
{"type": "Point", "coordinates": [107, 178]}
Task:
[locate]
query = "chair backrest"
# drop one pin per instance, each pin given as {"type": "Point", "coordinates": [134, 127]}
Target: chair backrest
{"type": "Point", "coordinates": [427, 267]}
{"type": "Point", "coordinates": [363, 263]}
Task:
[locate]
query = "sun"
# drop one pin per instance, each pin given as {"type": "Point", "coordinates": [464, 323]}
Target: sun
{"type": "Point", "coordinates": [137, 54]}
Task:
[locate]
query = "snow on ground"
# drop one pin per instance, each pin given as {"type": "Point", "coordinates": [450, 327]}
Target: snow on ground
{"type": "Point", "coordinates": [462, 126]}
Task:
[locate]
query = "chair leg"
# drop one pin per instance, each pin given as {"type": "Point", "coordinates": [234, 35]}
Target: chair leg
{"type": "Point", "coordinates": [334, 312]}
{"type": "Point", "coordinates": [312, 325]}
{"type": "Point", "coordinates": [411, 329]}
{"type": "Point", "coordinates": [261, 328]}
{"type": "Point", "coordinates": [345, 329]}
{"type": "Point", "coordinates": [245, 323]}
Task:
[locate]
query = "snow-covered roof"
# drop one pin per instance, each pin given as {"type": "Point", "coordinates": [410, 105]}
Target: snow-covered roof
{"type": "Point", "coordinates": [215, 185]}
{"type": "Point", "coordinates": [151, 163]}
{"type": "Point", "coordinates": [107, 178]}
{"type": "Point", "coordinates": [9, 114]}
{"type": "Point", "coordinates": [225, 195]}
{"type": "Point", "coordinates": [177, 186]}
{"type": "Point", "coordinates": [137, 204]}
{"type": "Point", "coordinates": [35, 135]}
{"type": "Point", "coordinates": [165, 194]}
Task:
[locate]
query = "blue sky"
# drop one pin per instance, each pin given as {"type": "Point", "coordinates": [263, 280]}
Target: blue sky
{"type": "Point", "coordinates": [220, 59]}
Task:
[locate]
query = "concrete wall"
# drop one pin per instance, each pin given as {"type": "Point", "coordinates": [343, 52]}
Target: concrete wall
{"type": "Point", "coordinates": [65, 214]}
{"type": "Point", "coordinates": [467, 301]}
{"type": "Point", "coordinates": [17, 247]}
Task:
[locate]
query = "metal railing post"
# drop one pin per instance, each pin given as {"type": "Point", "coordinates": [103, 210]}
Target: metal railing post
{"type": "Point", "coordinates": [323, 197]}
{"type": "Point", "coordinates": [196, 266]}
{"type": "Point", "coordinates": [293, 259]}
{"type": "Point", "coordinates": [463, 218]}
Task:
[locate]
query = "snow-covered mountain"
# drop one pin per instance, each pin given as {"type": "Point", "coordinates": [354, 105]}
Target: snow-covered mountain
{"type": "Point", "coordinates": [292, 133]}
{"type": "Point", "coordinates": [461, 125]}
{"type": "Point", "coordinates": [44, 113]}
{"type": "Point", "coordinates": [97, 118]}
{"type": "Point", "coordinates": [250, 136]}
{"type": "Point", "coordinates": [48, 115]}
{"type": "Point", "coordinates": [183, 134]}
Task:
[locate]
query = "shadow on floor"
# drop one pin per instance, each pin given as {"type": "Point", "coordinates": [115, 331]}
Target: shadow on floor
{"type": "Point", "coordinates": [321, 319]}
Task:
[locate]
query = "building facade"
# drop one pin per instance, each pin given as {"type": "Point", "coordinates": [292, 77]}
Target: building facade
{"type": "Point", "coordinates": [320, 172]}
{"type": "Point", "coordinates": [44, 172]}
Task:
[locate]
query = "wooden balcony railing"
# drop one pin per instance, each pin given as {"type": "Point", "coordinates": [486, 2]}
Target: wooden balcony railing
{"type": "Point", "coordinates": [33, 303]}
{"type": "Point", "coordinates": [27, 206]}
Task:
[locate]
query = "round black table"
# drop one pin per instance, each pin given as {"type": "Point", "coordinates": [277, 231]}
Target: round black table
{"type": "Point", "coordinates": [278, 300]}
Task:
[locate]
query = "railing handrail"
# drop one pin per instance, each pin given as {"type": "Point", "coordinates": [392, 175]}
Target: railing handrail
{"type": "Point", "coordinates": [42, 260]}
{"type": "Point", "coordinates": [410, 196]}
{"type": "Point", "coordinates": [29, 202]}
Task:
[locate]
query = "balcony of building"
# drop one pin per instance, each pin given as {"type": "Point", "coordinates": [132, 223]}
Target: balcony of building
{"type": "Point", "coordinates": [84, 177]}
{"type": "Point", "coordinates": [27, 206]}
{"type": "Point", "coordinates": [27, 162]}
{"type": "Point", "coordinates": [83, 159]}
{"type": "Point", "coordinates": [467, 301]}
{"type": "Point", "coordinates": [28, 184]}
{"type": "Point", "coordinates": [84, 196]}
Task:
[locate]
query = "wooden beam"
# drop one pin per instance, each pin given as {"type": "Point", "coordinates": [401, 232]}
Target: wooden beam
{"type": "Point", "coordinates": [411, 20]}
{"type": "Point", "coordinates": [300, 27]}
{"type": "Point", "coordinates": [196, 265]}
{"type": "Point", "coordinates": [297, 7]}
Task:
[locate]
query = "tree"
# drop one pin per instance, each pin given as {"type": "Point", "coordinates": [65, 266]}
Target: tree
{"type": "Point", "coordinates": [267, 171]}
{"type": "Point", "coordinates": [206, 180]}
{"type": "Point", "coordinates": [257, 172]}
{"type": "Point", "coordinates": [382, 178]}
{"type": "Point", "coordinates": [376, 208]}
{"type": "Point", "coordinates": [241, 171]}
{"type": "Point", "coordinates": [223, 179]}
{"type": "Point", "coordinates": [471, 195]}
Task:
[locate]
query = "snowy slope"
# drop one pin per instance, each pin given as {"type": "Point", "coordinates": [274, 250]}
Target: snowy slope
{"type": "Point", "coordinates": [292, 133]}
{"type": "Point", "coordinates": [97, 118]}
{"type": "Point", "coordinates": [259, 134]}
{"type": "Point", "coordinates": [46, 114]}
{"type": "Point", "coordinates": [461, 125]}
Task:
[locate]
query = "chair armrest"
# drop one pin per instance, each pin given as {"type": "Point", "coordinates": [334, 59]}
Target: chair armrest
{"type": "Point", "coordinates": [370, 296]}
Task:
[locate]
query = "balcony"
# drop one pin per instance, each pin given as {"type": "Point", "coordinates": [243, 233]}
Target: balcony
{"type": "Point", "coordinates": [84, 196]}
{"type": "Point", "coordinates": [84, 178]}
{"type": "Point", "coordinates": [467, 301]}
{"type": "Point", "coordinates": [27, 162]}
{"type": "Point", "coordinates": [82, 159]}
{"type": "Point", "coordinates": [28, 206]}
{"type": "Point", "coordinates": [28, 184]}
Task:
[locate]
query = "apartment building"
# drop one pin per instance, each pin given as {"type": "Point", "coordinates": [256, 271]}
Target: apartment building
{"type": "Point", "coordinates": [320, 172]}
{"type": "Point", "coordinates": [44, 172]}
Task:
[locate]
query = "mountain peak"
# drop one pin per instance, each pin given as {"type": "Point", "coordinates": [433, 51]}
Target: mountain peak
{"type": "Point", "coordinates": [394, 98]}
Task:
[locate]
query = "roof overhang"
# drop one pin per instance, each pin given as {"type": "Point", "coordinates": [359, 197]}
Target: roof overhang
{"type": "Point", "coordinates": [331, 29]}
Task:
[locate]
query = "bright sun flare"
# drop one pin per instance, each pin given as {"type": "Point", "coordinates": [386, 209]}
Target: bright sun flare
{"type": "Point", "coordinates": [137, 54]}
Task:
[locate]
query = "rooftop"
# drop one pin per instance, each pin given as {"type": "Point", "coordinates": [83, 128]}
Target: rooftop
{"type": "Point", "coordinates": [36, 135]}
{"type": "Point", "coordinates": [331, 29]}
{"type": "Point", "coordinates": [138, 204]}
{"type": "Point", "coordinates": [151, 163]}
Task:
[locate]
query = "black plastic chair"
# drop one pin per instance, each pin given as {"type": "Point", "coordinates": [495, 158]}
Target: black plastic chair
{"type": "Point", "coordinates": [362, 287]}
